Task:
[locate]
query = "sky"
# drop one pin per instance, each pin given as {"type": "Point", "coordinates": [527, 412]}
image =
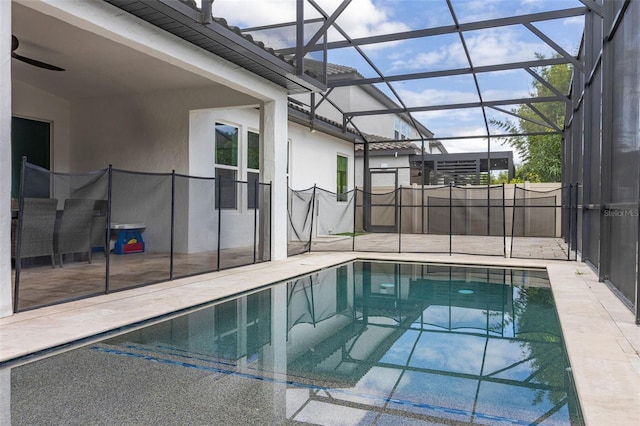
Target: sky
{"type": "Point", "coordinates": [364, 18]}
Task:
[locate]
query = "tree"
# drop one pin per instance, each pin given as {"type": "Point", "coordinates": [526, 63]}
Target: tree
{"type": "Point", "coordinates": [541, 155]}
{"type": "Point", "coordinates": [518, 177]}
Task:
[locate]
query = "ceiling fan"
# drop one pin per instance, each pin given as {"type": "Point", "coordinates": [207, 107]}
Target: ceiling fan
{"type": "Point", "coordinates": [14, 45]}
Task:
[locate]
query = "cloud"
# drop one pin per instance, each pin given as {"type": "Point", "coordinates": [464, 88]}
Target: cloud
{"type": "Point", "coordinates": [362, 18]}
{"type": "Point", "coordinates": [437, 97]}
{"type": "Point", "coordinates": [495, 94]}
{"type": "Point", "coordinates": [423, 60]}
{"type": "Point", "coordinates": [574, 20]}
{"type": "Point", "coordinates": [486, 47]}
{"type": "Point", "coordinates": [474, 145]}
{"type": "Point", "coordinates": [502, 46]}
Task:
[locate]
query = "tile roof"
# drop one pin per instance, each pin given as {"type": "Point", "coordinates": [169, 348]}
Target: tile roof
{"type": "Point", "coordinates": [192, 4]}
{"type": "Point", "coordinates": [183, 18]}
{"type": "Point", "coordinates": [316, 68]}
{"type": "Point", "coordinates": [378, 145]}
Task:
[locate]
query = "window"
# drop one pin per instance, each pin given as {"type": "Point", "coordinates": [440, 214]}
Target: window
{"type": "Point", "coordinates": [253, 199]}
{"type": "Point", "coordinates": [401, 129]}
{"type": "Point", "coordinates": [253, 169]}
{"type": "Point", "coordinates": [226, 184]}
{"type": "Point", "coordinates": [341, 178]}
{"type": "Point", "coordinates": [226, 158]}
{"type": "Point", "coordinates": [253, 154]}
{"type": "Point", "coordinates": [226, 145]}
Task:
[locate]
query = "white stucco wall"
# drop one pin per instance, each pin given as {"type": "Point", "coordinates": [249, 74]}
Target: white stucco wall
{"type": "Point", "coordinates": [238, 223]}
{"type": "Point", "coordinates": [36, 104]}
{"type": "Point", "coordinates": [313, 159]}
{"type": "Point", "coordinates": [147, 132]}
{"type": "Point", "coordinates": [5, 170]}
{"type": "Point", "coordinates": [160, 132]}
{"type": "Point", "coordinates": [355, 99]}
{"type": "Point", "coordinates": [381, 125]}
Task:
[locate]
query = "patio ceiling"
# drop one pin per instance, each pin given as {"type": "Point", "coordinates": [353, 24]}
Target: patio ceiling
{"type": "Point", "coordinates": [94, 66]}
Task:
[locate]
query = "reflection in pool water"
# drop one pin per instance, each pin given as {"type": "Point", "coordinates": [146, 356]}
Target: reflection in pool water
{"type": "Point", "coordinates": [363, 343]}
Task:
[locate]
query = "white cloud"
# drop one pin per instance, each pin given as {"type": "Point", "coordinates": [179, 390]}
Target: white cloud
{"type": "Point", "coordinates": [437, 97]}
{"type": "Point", "coordinates": [423, 60]}
{"type": "Point", "coordinates": [486, 47]}
{"type": "Point", "coordinates": [501, 46]}
{"type": "Point", "coordinates": [494, 94]}
{"type": "Point", "coordinates": [362, 18]}
{"type": "Point", "coordinates": [574, 20]}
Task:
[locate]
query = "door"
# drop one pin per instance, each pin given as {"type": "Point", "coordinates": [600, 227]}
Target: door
{"type": "Point", "coordinates": [30, 138]}
{"type": "Point", "coordinates": [383, 209]}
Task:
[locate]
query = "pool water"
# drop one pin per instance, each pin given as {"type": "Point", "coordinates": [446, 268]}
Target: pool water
{"type": "Point", "coordinates": [360, 344]}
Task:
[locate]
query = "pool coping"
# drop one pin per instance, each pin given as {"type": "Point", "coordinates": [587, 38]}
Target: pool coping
{"type": "Point", "coordinates": [603, 342]}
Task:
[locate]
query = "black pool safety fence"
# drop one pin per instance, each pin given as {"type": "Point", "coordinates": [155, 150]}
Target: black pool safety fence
{"type": "Point", "coordinates": [499, 220]}
{"type": "Point", "coordinates": [76, 235]}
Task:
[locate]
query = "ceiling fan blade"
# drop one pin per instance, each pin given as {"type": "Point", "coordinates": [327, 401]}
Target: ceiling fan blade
{"type": "Point", "coordinates": [36, 63]}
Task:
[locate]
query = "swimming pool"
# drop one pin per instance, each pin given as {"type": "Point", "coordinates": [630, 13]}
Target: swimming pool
{"type": "Point", "coordinates": [361, 343]}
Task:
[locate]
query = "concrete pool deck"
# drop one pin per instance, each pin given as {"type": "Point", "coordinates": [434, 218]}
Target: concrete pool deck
{"type": "Point", "coordinates": [602, 340]}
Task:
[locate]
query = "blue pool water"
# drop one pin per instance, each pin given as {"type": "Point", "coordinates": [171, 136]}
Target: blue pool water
{"type": "Point", "coordinates": [360, 344]}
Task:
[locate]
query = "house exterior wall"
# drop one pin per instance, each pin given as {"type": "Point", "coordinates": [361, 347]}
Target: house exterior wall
{"type": "Point", "coordinates": [356, 99]}
{"type": "Point", "coordinates": [238, 223]}
{"type": "Point", "coordinates": [174, 130]}
{"type": "Point", "coordinates": [146, 132]}
{"type": "Point", "coordinates": [150, 134]}
{"type": "Point", "coordinates": [388, 162]}
{"type": "Point", "coordinates": [380, 125]}
{"type": "Point", "coordinates": [5, 166]}
{"type": "Point", "coordinates": [312, 159]}
{"type": "Point", "coordinates": [36, 104]}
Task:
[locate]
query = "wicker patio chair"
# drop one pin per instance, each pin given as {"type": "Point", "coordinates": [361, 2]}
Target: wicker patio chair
{"type": "Point", "coordinates": [73, 235]}
{"type": "Point", "coordinates": [38, 223]}
{"type": "Point", "coordinates": [99, 237]}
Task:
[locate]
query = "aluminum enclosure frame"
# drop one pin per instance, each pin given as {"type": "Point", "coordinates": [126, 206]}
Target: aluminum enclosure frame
{"type": "Point", "coordinates": [591, 140]}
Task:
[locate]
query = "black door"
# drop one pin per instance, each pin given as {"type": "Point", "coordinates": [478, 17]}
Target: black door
{"type": "Point", "coordinates": [30, 138]}
{"type": "Point", "coordinates": [384, 201]}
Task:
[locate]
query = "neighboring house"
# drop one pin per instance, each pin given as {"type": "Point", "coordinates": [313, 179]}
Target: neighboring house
{"type": "Point", "coordinates": [360, 97]}
{"type": "Point", "coordinates": [386, 134]}
{"type": "Point", "coordinates": [390, 162]}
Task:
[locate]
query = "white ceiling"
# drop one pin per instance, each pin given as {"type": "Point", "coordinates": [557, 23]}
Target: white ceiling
{"type": "Point", "coordinates": [94, 66]}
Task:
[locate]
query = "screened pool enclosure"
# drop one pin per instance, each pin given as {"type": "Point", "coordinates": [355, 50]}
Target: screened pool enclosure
{"type": "Point", "coordinates": [592, 216]}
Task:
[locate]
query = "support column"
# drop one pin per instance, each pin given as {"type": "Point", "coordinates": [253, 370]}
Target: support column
{"type": "Point", "coordinates": [366, 189]}
{"type": "Point", "coordinates": [5, 159]}
{"type": "Point", "coordinates": [273, 125]}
